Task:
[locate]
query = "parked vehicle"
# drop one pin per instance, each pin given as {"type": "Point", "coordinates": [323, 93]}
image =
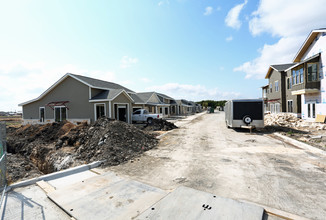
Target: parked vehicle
{"type": "Point", "coordinates": [142, 115]}
{"type": "Point", "coordinates": [244, 113]}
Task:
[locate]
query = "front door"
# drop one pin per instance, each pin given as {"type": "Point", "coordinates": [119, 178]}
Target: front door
{"type": "Point", "coordinates": [100, 110]}
{"type": "Point", "coordinates": [311, 110]}
{"type": "Point", "coordinates": [122, 113]}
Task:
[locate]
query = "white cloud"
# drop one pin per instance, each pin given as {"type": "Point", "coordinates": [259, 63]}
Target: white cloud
{"type": "Point", "coordinates": [192, 92]}
{"type": "Point", "coordinates": [228, 39]}
{"type": "Point", "coordinates": [163, 2]}
{"type": "Point", "coordinates": [126, 62]}
{"type": "Point", "coordinates": [145, 80]}
{"type": "Point", "coordinates": [287, 20]}
{"type": "Point", "coordinates": [208, 10]}
{"type": "Point", "coordinates": [218, 8]}
{"type": "Point", "coordinates": [232, 18]}
{"type": "Point", "coordinates": [21, 81]}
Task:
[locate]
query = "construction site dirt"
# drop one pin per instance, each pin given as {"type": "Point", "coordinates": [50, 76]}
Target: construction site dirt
{"type": "Point", "coordinates": [202, 154]}
{"type": "Point", "coordinates": [42, 149]}
{"type": "Point", "coordinates": [205, 155]}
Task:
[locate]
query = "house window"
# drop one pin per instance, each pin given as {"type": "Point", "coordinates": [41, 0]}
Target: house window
{"type": "Point", "coordinates": [289, 83]}
{"type": "Point", "coordinates": [311, 110]}
{"type": "Point", "coordinates": [293, 77]}
{"type": "Point", "coordinates": [301, 75]}
{"type": "Point", "coordinates": [277, 107]}
{"type": "Point", "coordinates": [290, 106]}
{"type": "Point", "coordinates": [297, 76]}
{"type": "Point", "coordinates": [270, 87]}
{"type": "Point", "coordinates": [60, 113]}
{"type": "Point", "coordinates": [276, 86]}
{"type": "Point", "coordinates": [271, 107]}
{"type": "Point", "coordinates": [42, 114]}
{"type": "Point", "coordinates": [312, 72]}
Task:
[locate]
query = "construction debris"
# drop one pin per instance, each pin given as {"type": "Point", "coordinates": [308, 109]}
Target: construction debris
{"type": "Point", "coordinates": [309, 132]}
{"type": "Point", "coordinates": [57, 146]}
{"type": "Point", "coordinates": [160, 125]}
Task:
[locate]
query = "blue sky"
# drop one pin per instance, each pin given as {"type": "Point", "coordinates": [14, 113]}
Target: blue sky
{"type": "Point", "coordinates": [192, 49]}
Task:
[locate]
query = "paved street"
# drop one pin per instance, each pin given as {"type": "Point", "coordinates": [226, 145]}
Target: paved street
{"type": "Point", "coordinates": [205, 155]}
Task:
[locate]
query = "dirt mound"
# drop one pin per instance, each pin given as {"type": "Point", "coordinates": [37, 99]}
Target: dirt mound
{"type": "Point", "coordinates": [20, 168]}
{"type": "Point", "coordinates": [57, 146]}
{"type": "Point", "coordinates": [160, 125]}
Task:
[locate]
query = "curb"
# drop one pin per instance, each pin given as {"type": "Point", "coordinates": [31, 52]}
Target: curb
{"type": "Point", "coordinates": [300, 145]}
{"type": "Point", "coordinates": [56, 175]}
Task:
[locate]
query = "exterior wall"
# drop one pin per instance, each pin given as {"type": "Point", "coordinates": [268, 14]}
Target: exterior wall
{"type": "Point", "coordinates": [318, 46]}
{"type": "Point", "coordinates": [276, 96]}
{"type": "Point", "coordinates": [289, 96]}
{"type": "Point", "coordinates": [121, 99]}
{"type": "Point", "coordinates": [153, 99]}
{"type": "Point", "coordinates": [70, 90]}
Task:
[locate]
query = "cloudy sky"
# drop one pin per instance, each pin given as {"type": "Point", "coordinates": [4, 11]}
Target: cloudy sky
{"type": "Point", "coordinates": [192, 49]}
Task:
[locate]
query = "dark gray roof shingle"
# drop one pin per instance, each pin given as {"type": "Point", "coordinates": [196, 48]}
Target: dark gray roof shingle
{"type": "Point", "coordinates": [100, 83]}
{"type": "Point", "coordinates": [282, 67]}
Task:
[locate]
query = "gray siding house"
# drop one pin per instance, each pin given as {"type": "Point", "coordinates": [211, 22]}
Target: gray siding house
{"type": "Point", "coordinates": [156, 103]}
{"type": "Point", "coordinates": [275, 92]}
{"type": "Point", "coordinates": [79, 98]}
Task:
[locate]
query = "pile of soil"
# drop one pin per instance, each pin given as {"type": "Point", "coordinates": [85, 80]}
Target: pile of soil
{"type": "Point", "coordinates": [20, 168]}
{"type": "Point", "coordinates": [57, 146]}
{"type": "Point", "coordinates": [160, 125]}
{"type": "Point", "coordinates": [114, 142]}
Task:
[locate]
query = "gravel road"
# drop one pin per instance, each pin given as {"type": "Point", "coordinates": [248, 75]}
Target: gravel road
{"type": "Point", "coordinates": [205, 155]}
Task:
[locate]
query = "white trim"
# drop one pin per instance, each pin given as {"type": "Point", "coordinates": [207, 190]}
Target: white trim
{"type": "Point", "coordinates": [39, 114]}
{"type": "Point", "coordinates": [89, 92]}
{"type": "Point", "coordinates": [100, 100]}
{"type": "Point", "coordinates": [95, 112]}
{"type": "Point", "coordinates": [106, 100]}
{"type": "Point", "coordinates": [61, 106]}
{"type": "Point", "coordinates": [123, 91]}
{"type": "Point", "coordinates": [110, 112]}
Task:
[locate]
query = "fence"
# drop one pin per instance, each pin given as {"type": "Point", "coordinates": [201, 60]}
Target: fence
{"type": "Point", "coordinates": [3, 156]}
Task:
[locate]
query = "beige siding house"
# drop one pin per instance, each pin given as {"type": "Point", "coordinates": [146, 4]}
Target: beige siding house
{"type": "Point", "coordinates": [79, 98]}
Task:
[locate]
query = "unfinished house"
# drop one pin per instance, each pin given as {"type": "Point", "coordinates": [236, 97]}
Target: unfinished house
{"type": "Point", "coordinates": [184, 107]}
{"type": "Point", "coordinates": [156, 103]}
{"type": "Point", "coordinates": [308, 75]}
{"type": "Point", "coordinates": [276, 89]}
{"type": "Point", "coordinates": [79, 98]}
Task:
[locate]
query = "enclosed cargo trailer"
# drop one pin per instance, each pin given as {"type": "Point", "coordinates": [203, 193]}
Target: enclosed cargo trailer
{"type": "Point", "coordinates": [247, 113]}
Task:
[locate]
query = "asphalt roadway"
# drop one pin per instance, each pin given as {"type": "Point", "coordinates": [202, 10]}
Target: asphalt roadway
{"type": "Point", "coordinates": [205, 155]}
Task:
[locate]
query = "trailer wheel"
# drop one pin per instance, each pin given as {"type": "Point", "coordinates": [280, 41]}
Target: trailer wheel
{"type": "Point", "coordinates": [247, 119]}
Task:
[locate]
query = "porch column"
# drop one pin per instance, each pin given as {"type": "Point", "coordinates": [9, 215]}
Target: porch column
{"type": "Point", "coordinates": [156, 110]}
{"type": "Point", "coordinates": [110, 114]}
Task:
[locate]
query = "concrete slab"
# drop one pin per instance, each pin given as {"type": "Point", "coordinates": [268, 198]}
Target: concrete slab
{"type": "Point", "coordinates": [30, 202]}
{"type": "Point", "coordinates": [187, 203]}
{"type": "Point", "coordinates": [106, 197]}
{"type": "Point", "coordinates": [71, 179]}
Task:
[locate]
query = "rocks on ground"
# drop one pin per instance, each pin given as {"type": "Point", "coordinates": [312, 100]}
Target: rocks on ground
{"type": "Point", "coordinates": [313, 133]}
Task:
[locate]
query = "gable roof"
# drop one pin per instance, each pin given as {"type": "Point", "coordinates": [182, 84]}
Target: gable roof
{"type": "Point", "coordinates": [91, 82]}
{"type": "Point", "coordinates": [109, 95]}
{"type": "Point", "coordinates": [97, 83]}
{"type": "Point", "coordinates": [306, 44]}
{"type": "Point", "coordinates": [278, 68]}
{"type": "Point", "coordinates": [145, 96]}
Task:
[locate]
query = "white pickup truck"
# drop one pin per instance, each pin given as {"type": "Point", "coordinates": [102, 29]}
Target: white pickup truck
{"type": "Point", "coordinates": [142, 115]}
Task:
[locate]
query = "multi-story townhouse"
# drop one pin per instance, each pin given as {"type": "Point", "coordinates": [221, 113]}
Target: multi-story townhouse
{"type": "Point", "coordinates": [274, 94]}
{"type": "Point", "coordinates": [307, 76]}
